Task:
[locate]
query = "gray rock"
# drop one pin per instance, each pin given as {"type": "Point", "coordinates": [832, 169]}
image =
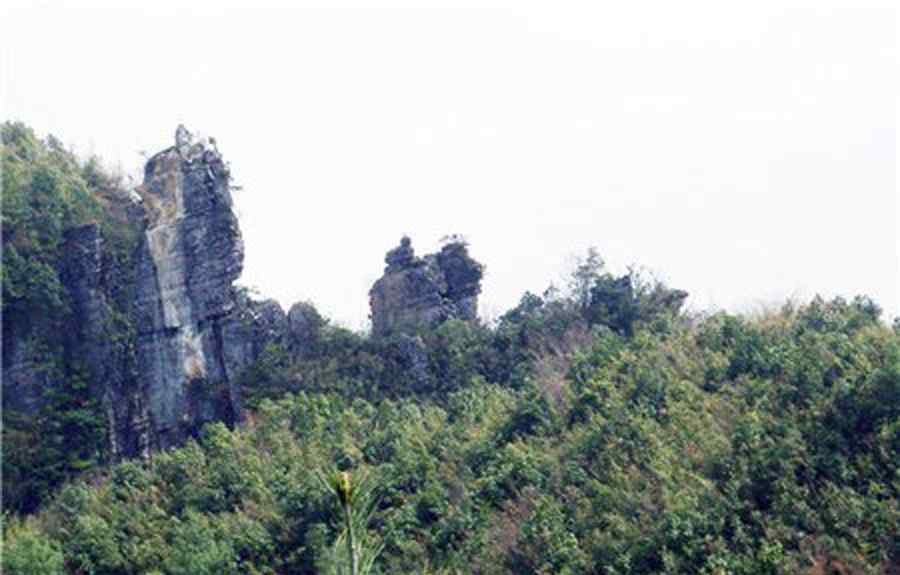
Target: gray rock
{"type": "Point", "coordinates": [190, 255]}
{"type": "Point", "coordinates": [244, 335]}
{"type": "Point", "coordinates": [402, 256]}
{"type": "Point", "coordinates": [305, 326]}
{"type": "Point", "coordinates": [93, 344]}
{"type": "Point", "coordinates": [161, 332]}
{"type": "Point", "coordinates": [90, 344]}
{"type": "Point", "coordinates": [80, 275]}
{"type": "Point", "coordinates": [416, 293]}
{"type": "Point", "coordinates": [23, 383]}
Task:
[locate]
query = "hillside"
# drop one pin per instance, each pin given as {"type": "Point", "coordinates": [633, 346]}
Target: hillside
{"type": "Point", "coordinates": [158, 419]}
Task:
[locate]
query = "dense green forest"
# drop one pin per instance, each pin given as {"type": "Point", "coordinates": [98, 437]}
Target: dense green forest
{"type": "Point", "coordinates": [595, 428]}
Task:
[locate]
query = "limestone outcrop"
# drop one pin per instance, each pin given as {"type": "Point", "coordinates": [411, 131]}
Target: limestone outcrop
{"type": "Point", "coordinates": [153, 323]}
{"type": "Point", "coordinates": [304, 328]}
{"type": "Point", "coordinates": [417, 293]}
{"type": "Point", "coordinates": [190, 255]}
{"type": "Point", "coordinates": [107, 359]}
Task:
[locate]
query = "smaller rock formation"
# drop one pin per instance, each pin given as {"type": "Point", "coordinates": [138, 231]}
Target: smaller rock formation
{"type": "Point", "coordinates": [304, 328]}
{"type": "Point", "coordinates": [245, 334]}
{"type": "Point", "coordinates": [416, 293]}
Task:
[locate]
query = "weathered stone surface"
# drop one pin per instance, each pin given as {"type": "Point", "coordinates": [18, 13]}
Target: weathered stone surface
{"type": "Point", "coordinates": [80, 275]}
{"type": "Point", "coordinates": [413, 356]}
{"type": "Point", "coordinates": [247, 332]}
{"type": "Point", "coordinates": [416, 293]}
{"type": "Point", "coordinates": [244, 335]}
{"type": "Point", "coordinates": [158, 330]}
{"type": "Point", "coordinates": [304, 326]}
{"type": "Point", "coordinates": [91, 343]}
{"type": "Point", "coordinates": [400, 257]}
{"type": "Point", "coordinates": [463, 276]}
{"type": "Point", "coordinates": [23, 384]}
{"type": "Point", "coordinates": [190, 255]}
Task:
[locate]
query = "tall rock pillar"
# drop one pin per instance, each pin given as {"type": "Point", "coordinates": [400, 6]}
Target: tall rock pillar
{"type": "Point", "coordinates": [190, 255]}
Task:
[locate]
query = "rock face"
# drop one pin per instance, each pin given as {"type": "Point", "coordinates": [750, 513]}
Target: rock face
{"type": "Point", "coordinates": [190, 255]}
{"type": "Point", "coordinates": [22, 382]}
{"type": "Point", "coordinates": [244, 334]}
{"type": "Point", "coordinates": [416, 293]}
{"type": "Point", "coordinates": [156, 327]}
{"type": "Point", "coordinates": [109, 361]}
{"type": "Point", "coordinates": [304, 327]}
{"type": "Point", "coordinates": [151, 320]}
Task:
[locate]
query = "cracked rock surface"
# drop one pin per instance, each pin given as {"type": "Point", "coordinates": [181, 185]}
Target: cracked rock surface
{"type": "Point", "coordinates": [417, 293]}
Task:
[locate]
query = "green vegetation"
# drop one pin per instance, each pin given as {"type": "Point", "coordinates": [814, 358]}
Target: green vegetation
{"type": "Point", "coordinates": [46, 192]}
{"type": "Point", "coordinates": [718, 445]}
{"type": "Point", "coordinates": [354, 553]}
{"type": "Point", "coordinates": [598, 431]}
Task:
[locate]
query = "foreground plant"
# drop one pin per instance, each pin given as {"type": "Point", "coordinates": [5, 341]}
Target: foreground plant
{"type": "Point", "coordinates": [354, 551]}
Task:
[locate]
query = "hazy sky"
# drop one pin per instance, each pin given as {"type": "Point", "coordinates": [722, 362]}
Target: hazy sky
{"type": "Point", "coordinates": [744, 151]}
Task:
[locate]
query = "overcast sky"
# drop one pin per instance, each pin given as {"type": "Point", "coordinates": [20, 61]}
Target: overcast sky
{"type": "Point", "coordinates": [744, 151]}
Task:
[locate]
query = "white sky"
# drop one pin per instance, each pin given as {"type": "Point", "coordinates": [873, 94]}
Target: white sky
{"type": "Point", "coordinates": [744, 151]}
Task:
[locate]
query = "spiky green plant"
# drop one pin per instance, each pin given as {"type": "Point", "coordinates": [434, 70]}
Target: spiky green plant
{"type": "Point", "coordinates": [355, 550]}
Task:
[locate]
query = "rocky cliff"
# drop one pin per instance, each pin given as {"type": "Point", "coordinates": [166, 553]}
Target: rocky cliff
{"type": "Point", "coordinates": [95, 342]}
{"type": "Point", "coordinates": [422, 292]}
{"type": "Point", "coordinates": [159, 333]}
{"type": "Point", "coordinates": [155, 327]}
{"type": "Point", "coordinates": [193, 332]}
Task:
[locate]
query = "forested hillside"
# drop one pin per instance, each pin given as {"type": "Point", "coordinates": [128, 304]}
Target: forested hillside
{"type": "Point", "coordinates": [595, 428]}
{"type": "Point", "coordinates": [53, 425]}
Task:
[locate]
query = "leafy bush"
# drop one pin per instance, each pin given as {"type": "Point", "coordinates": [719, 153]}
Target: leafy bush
{"type": "Point", "coordinates": [28, 551]}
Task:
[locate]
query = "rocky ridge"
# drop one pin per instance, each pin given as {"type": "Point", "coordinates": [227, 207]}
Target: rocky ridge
{"type": "Point", "coordinates": [162, 335]}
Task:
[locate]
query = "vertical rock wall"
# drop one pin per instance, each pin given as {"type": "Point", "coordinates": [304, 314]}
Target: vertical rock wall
{"type": "Point", "coordinates": [190, 255]}
{"type": "Point", "coordinates": [158, 330]}
{"type": "Point", "coordinates": [162, 333]}
{"type": "Point", "coordinates": [89, 344]}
